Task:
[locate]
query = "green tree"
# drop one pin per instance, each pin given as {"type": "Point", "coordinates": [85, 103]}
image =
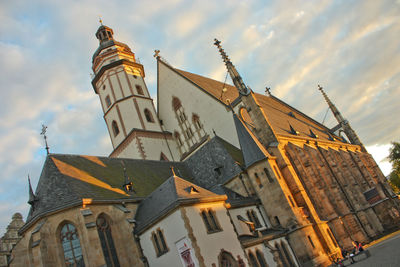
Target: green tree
{"type": "Point", "coordinates": [394, 158]}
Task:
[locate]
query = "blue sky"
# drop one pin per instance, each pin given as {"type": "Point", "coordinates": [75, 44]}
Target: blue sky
{"type": "Point", "coordinates": [351, 48]}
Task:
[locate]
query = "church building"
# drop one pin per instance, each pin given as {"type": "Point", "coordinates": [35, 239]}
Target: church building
{"type": "Point", "coordinates": [216, 175]}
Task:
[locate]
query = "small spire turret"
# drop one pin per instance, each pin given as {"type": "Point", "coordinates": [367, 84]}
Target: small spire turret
{"type": "Point", "coordinates": [237, 80]}
{"type": "Point", "coordinates": [343, 123]}
{"type": "Point", "coordinates": [32, 196]}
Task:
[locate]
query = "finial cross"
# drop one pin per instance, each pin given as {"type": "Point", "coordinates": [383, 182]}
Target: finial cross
{"type": "Point", "coordinates": [44, 130]}
{"type": "Point", "coordinates": [268, 90]}
{"type": "Point", "coordinates": [156, 53]}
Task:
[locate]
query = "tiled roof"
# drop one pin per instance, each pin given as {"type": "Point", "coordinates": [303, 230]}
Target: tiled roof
{"type": "Point", "coordinates": [281, 116]}
{"type": "Point", "coordinates": [67, 179]}
{"type": "Point", "coordinates": [211, 86]}
{"type": "Point", "coordinates": [168, 196]}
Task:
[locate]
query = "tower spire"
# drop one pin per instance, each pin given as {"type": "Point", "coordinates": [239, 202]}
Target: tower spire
{"type": "Point", "coordinates": [237, 80]}
{"type": "Point", "coordinates": [343, 123]}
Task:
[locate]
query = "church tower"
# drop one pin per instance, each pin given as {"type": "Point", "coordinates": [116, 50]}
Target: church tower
{"type": "Point", "coordinates": [128, 108]}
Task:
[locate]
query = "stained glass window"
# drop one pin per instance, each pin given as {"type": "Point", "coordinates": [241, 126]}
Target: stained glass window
{"type": "Point", "coordinates": [71, 246]}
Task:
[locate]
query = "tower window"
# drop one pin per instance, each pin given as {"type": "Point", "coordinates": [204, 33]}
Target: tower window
{"type": "Point", "coordinates": [311, 242]}
{"type": "Point", "coordinates": [148, 115]}
{"type": "Point", "coordinates": [115, 128]}
{"type": "Point", "coordinates": [139, 90]}
{"type": "Point", "coordinates": [108, 101]}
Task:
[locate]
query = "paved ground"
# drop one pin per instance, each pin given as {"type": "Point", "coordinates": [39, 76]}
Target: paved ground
{"type": "Point", "coordinates": [384, 253]}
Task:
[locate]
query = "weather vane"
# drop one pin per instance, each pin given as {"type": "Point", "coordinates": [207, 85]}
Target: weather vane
{"type": "Point", "coordinates": [100, 20]}
{"type": "Point", "coordinates": [44, 129]}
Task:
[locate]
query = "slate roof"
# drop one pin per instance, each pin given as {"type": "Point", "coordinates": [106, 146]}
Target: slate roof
{"type": "Point", "coordinates": [172, 193]}
{"type": "Point", "coordinates": [67, 179]}
{"type": "Point", "coordinates": [215, 154]}
{"type": "Point", "coordinates": [252, 149]}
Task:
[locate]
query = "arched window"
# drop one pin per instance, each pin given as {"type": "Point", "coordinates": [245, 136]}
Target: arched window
{"type": "Point", "coordinates": [148, 115]}
{"type": "Point", "coordinates": [252, 215]}
{"type": "Point", "coordinates": [227, 260]}
{"type": "Point", "coordinates": [178, 138]}
{"type": "Point", "coordinates": [71, 246]}
{"type": "Point", "coordinates": [176, 103]}
{"type": "Point", "coordinates": [106, 240]}
{"type": "Point", "coordinates": [253, 260]}
{"type": "Point", "coordinates": [115, 128]}
{"type": "Point", "coordinates": [196, 122]}
{"type": "Point", "coordinates": [287, 254]}
{"type": "Point", "coordinates": [261, 259]}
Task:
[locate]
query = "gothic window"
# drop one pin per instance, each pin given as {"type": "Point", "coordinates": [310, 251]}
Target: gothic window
{"type": "Point", "coordinates": [196, 122]}
{"type": "Point", "coordinates": [287, 254]}
{"type": "Point", "coordinates": [281, 256]}
{"type": "Point", "coordinates": [108, 101]}
{"type": "Point", "coordinates": [210, 221]}
{"type": "Point", "coordinates": [148, 115]}
{"type": "Point", "coordinates": [107, 242]}
{"type": "Point", "coordinates": [139, 89]}
{"type": "Point", "coordinates": [258, 180]}
{"type": "Point", "coordinates": [253, 260]}
{"type": "Point", "coordinates": [261, 259]}
{"type": "Point", "coordinates": [184, 123]}
{"type": "Point", "coordinates": [71, 246]}
{"type": "Point", "coordinates": [252, 215]}
{"type": "Point", "coordinates": [268, 175]}
{"type": "Point", "coordinates": [160, 246]}
{"type": "Point", "coordinates": [291, 201]}
{"type": "Point", "coordinates": [178, 138]}
{"type": "Point", "coordinates": [227, 260]}
{"type": "Point", "coordinates": [115, 128]}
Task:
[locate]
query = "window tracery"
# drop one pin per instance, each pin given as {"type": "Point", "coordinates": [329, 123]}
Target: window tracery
{"type": "Point", "coordinates": [71, 246]}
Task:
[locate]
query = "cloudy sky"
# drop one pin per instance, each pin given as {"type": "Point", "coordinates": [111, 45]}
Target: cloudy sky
{"type": "Point", "coordinates": [351, 48]}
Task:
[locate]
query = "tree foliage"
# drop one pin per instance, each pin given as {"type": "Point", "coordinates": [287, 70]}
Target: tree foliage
{"type": "Point", "coordinates": [394, 158]}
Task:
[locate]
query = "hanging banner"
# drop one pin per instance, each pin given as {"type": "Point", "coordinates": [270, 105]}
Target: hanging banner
{"type": "Point", "coordinates": [186, 253]}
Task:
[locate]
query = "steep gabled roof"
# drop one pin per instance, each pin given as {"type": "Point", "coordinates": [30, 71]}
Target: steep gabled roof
{"type": "Point", "coordinates": [280, 114]}
{"type": "Point", "coordinates": [172, 193]}
{"type": "Point", "coordinates": [67, 179]}
{"type": "Point", "coordinates": [252, 149]}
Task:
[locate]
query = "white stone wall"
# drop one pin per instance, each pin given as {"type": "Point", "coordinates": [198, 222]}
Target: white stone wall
{"type": "Point", "coordinates": [213, 115]}
{"type": "Point", "coordinates": [211, 244]}
{"type": "Point", "coordinates": [174, 230]}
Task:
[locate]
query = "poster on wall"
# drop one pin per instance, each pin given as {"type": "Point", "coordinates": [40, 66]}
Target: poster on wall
{"type": "Point", "coordinates": [186, 253]}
